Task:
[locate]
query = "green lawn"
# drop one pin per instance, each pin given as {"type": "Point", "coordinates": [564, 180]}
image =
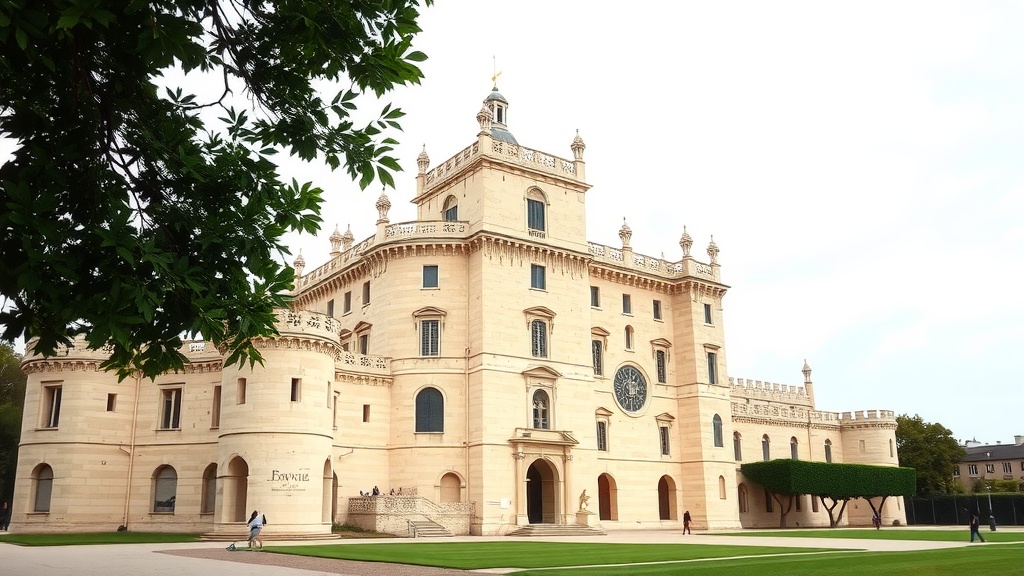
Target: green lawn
{"type": "Point", "coordinates": [516, 554]}
{"type": "Point", "coordinates": [96, 538]}
{"type": "Point", "coordinates": [979, 559]}
{"type": "Point", "coordinates": [963, 535]}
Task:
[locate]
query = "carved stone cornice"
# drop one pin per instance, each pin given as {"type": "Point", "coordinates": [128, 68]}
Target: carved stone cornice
{"type": "Point", "coordinates": [515, 251]}
{"type": "Point", "coordinates": [362, 379]}
{"type": "Point", "coordinates": [767, 421]}
{"type": "Point", "coordinates": [201, 367]}
{"type": "Point", "coordinates": [298, 343]}
{"type": "Point", "coordinates": [54, 365]}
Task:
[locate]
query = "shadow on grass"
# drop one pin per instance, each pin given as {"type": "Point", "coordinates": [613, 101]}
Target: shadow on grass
{"type": "Point", "coordinates": [97, 538]}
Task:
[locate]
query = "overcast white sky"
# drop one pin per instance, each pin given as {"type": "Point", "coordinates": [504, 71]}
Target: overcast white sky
{"type": "Point", "coordinates": [859, 164]}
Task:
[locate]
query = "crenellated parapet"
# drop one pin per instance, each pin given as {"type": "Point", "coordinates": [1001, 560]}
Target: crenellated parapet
{"type": "Point", "coordinates": [769, 391]}
{"type": "Point", "coordinates": [884, 419]}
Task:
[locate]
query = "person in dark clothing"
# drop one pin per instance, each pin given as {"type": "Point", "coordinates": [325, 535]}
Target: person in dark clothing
{"type": "Point", "coordinates": [975, 523]}
{"type": "Point", "coordinates": [686, 522]}
{"type": "Point", "coordinates": [5, 517]}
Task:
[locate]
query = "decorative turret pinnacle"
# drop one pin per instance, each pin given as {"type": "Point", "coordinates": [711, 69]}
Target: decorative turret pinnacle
{"type": "Point", "coordinates": [578, 146]}
{"type": "Point", "coordinates": [423, 161]}
{"type": "Point", "coordinates": [713, 250]}
{"type": "Point", "coordinates": [347, 239]}
{"type": "Point", "coordinates": [383, 205]}
{"type": "Point", "coordinates": [484, 118]}
{"type": "Point", "coordinates": [625, 234]}
{"type": "Point", "coordinates": [807, 372]}
{"type": "Point", "coordinates": [335, 239]}
{"type": "Point", "coordinates": [686, 242]}
{"type": "Point", "coordinates": [299, 264]}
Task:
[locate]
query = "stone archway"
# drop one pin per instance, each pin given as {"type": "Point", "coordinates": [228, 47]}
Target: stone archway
{"type": "Point", "coordinates": [236, 489]}
{"type": "Point", "coordinates": [327, 509]}
{"type": "Point", "coordinates": [607, 497]}
{"type": "Point", "coordinates": [667, 499]}
{"type": "Point", "coordinates": [542, 493]}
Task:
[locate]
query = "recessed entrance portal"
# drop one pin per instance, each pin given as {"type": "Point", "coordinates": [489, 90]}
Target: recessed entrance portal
{"type": "Point", "coordinates": [236, 488]}
{"type": "Point", "coordinates": [541, 493]}
{"type": "Point", "coordinates": [607, 497]}
{"type": "Point", "coordinates": [667, 499]}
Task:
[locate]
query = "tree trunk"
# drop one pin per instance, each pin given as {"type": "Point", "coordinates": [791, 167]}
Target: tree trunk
{"type": "Point", "coordinates": [784, 509]}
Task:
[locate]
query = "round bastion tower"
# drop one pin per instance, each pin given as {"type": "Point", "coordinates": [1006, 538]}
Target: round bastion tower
{"type": "Point", "coordinates": [275, 434]}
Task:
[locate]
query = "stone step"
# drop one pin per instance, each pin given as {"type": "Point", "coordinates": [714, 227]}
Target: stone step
{"type": "Point", "coordinates": [537, 530]}
{"type": "Point", "coordinates": [428, 529]}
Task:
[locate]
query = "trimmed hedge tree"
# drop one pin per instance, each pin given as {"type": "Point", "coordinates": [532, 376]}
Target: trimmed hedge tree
{"type": "Point", "coordinates": [838, 483]}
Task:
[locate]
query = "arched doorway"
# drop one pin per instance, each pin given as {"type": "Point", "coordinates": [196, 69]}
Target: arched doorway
{"type": "Point", "coordinates": [542, 493]}
{"type": "Point", "coordinates": [607, 497]}
{"type": "Point", "coordinates": [236, 488]}
{"type": "Point", "coordinates": [328, 491]}
{"type": "Point", "coordinates": [667, 499]}
{"type": "Point", "coordinates": [451, 488]}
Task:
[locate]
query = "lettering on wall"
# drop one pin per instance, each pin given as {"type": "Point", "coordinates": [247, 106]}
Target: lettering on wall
{"type": "Point", "coordinates": [289, 481]}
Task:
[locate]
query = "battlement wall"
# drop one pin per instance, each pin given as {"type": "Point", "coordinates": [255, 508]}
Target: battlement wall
{"type": "Point", "coordinates": [769, 391]}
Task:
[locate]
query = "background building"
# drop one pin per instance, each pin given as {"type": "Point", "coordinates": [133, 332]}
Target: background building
{"type": "Point", "coordinates": [486, 362]}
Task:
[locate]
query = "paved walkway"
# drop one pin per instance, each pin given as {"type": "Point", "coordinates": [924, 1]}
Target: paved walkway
{"type": "Point", "coordinates": [201, 558]}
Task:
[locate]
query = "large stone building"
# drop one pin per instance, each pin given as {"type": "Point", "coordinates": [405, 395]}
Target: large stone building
{"type": "Point", "coordinates": [485, 361]}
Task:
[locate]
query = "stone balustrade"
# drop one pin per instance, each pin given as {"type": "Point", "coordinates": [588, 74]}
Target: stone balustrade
{"type": "Point", "coordinates": [658, 266]}
{"type": "Point", "coordinates": [506, 151]}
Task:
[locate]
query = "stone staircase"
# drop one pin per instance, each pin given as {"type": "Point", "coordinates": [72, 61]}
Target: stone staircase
{"type": "Point", "coordinates": [535, 530]}
{"type": "Point", "coordinates": [427, 529]}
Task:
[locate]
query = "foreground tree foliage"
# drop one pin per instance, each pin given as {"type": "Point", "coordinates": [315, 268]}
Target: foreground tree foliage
{"type": "Point", "coordinates": [133, 215]}
{"type": "Point", "coordinates": [931, 449]}
{"type": "Point", "coordinates": [834, 484]}
{"type": "Point", "coordinates": [12, 400]}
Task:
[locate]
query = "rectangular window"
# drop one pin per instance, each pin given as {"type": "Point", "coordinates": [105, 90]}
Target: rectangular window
{"type": "Point", "coordinates": [366, 412]}
{"type": "Point", "coordinates": [595, 297]}
{"type": "Point", "coordinates": [712, 368]}
{"type": "Point", "coordinates": [768, 504]}
{"type": "Point", "coordinates": [347, 303]}
{"type": "Point", "coordinates": [215, 409]}
{"type": "Point", "coordinates": [240, 392]}
{"type": "Point", "coordinates": [330, 308]}
{"type": "Point", "coordinates": [665, 447]}
{"type": "Point", "coordinates": [972, 469]}
{"type": "Point", "coordinates": [627, 305]}
{"type": "Point", "coordinates": [296, 389]}
{"type": "Point", "coordinates": [956, 471]}
{"type": "Point", "coordinates": [602, 436]}
{"type": "Point", "coordinates": [364, 344]}
{"type": "Point", "coordinates": [659, 357]}
{"type": "Point", "coordinates": [537, 277]}
{"type": "Point", "coordinates": [1007, 469]}
{"type": "Point", "coordinates": [657, 309]}
{"type": "Point", "coordinates": [430, 338]}
{"type": "Point", "coordinates": [366, 293]}
{"type": "Point", "coordinates": [990, 468]}
{"type": "Point", "coordinates": [111, 402]}
{"type": "Point", "coordinates": [707, 314]}
{"type": "Point", "coordinates": [334, 411]}
{"type": "Point", "coordinates": [170, 409]}
{"type": "Point", "coordinates": [596, 350]}
{"type": "Point", "coordinates": [539, 339]}
{"type": "Point", "coordinates": [430, 276]}
{"type": "Point", "coordinates": [51, 399]}
{"type": "Point", "coordinates": [535, 215]}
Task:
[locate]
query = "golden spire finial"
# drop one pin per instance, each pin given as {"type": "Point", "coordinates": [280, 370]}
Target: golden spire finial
{"type": "Point", "coordinates": [496, 73]}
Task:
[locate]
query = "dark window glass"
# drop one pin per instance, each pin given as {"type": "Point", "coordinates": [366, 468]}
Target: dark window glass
{"type": "Point", "coordinates": [429, 411]}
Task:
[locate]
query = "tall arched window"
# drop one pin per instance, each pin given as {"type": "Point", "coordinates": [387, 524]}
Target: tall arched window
{"type": "Point", "coordinates": [429, 410]}
{"type": "Point", "coordinates": [451, 209]}
{"type": "Point", "coordinates": [629, 337]}
{"type": "Point", "coordinates": [737, 446]}
{"type": "Point", "coordinates": [539, 339]}
{"type": "Point", "coordinates": [165, 489]}
{"type": "Point", "coordinates": [744, 506]}
{"type": "Point", "coordinates": [794, 451]}
{"type": "Point", "coordinates": [541, 414]}
{"type": "Point", "coordinates": [42, 477]}
{"type": "Point", "coordinates": [828, 450]}
{"type": "Point", "coordinates": [536, 217]}
{"type": "Point", "coordinates": [716, 426]}
{"type": "Point", "coordinates": [766, 452]}
{"type": "Point", "coordinates": [721, 487]}
{"type": "Point", "coordinates": [209, 500]}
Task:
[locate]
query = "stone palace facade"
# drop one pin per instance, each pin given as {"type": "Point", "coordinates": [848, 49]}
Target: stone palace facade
{"type": "Point", "coordinates": [485, 361]}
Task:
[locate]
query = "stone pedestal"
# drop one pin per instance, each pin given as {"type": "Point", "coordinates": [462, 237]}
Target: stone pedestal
{"type": "Point", "coordinates": [583, 517]}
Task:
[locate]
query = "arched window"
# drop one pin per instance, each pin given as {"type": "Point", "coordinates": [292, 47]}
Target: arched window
{"type": "Point", "coordinates": [721, 487]}
{"type": "Point", "coordinates": [794, 451]}
{"type": "Point", "coordinates": [716, 426]}
{"type": "Point", "coordinates": [629, 337]}
{"type": "Point", "coordinates": [429, 410]}
{"type": "Point", "coordinates": [766, 452]}
{"type": "Point", "coordinates": [541, 415]}
{"type": "Point", "coordinates": [451, 209]}
{"type": "Point", "coordinates": [737, 446]}
{"type": "Point", "coordinates": [165, 489]}
{"type": "Point", "coordinates": [536, 208]}
{"type": "Point", "coordinates": [209, 490]}
{"type": "Point", "coordinates": [539, 339]}
{"type": "Point", "coordinates": [744, 507]}
{"type": "Point", "coordinates": [42, 477]}
{"type": "Point", "coordinates": [828, 450]}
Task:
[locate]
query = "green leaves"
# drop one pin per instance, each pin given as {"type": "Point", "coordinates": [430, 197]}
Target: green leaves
{"type": "Point", "coordinates": [136, 213]}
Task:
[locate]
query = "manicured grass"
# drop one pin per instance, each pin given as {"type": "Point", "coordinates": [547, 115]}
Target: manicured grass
{"type": "Point", "coordinates": [475, 555]}
{"type": "Point", "coordinates": [97, 538]}
{"type": "Point", "coordinates": [948, 562]}
{"type": "Point", "coordinates": [963, 535]}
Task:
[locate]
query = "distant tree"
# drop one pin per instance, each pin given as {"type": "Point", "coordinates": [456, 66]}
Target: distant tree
{"type": "Point", "coordinates": [834, 484]}
{"type": "Point", "coordinates": [12, 399]}
{"type": "Point", "coordinates": [131, 215]}
{"type": "Point", "coordinates": [930, 449]}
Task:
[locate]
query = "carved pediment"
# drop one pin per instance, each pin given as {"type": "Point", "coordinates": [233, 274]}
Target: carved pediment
{"type": "Point", "coordinates": [542, 372]}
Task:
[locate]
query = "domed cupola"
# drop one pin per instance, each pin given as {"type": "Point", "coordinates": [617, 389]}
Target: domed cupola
{"type": "Point", "coordinates": [498, 106]}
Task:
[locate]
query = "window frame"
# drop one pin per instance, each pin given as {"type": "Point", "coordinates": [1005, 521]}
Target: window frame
{"type": "Point", "coordinates": [737, 446]}
{"type": "Point", "coordinates": [656, 309]}
{"type": "Point", "coordinates": [661, 366]}
{"type": "Point", "coordinates": [828, 450]}
{"type": "Point", "coordinates": [366, 293]}
{"type": "Point", "coordinates": [42, 488]}
{"type": "Point", "coordinates": [602, 436]}
{"type": "Point", "coordinates": [170, 407]}
{"type": "Point", "coordinates": [429, 411]}
{"type": "Point", "coordinates": [627, 304]}
{"type": "Point", "coordinates": [664, 440]}
{"type": "Point", "coordinates": [766, 448]}
{"type": "Point", "coordinates": [708, 319]}
{"type": "Point", "coordinates": [163, 485]}
{"type": "Point", "coordinates": [53, 394]}
{"type": "Point", "coordinates": [450, 209]}
{"type": "Point", "coordinates": [595, 297]}
{"type": "Point", "coordinates": [428, 281]}
{"type": "Point", "coordinates": [539, 338]}
{"type": "Point", "coordinates": [540, 410]}
{"type": "Point", "coordinates": [538, 277]}
{"type": "Point", "coordinates": [430, 344]}
{"type": "Point", "coordinates": [718, 431]}
{"type": "Point", "coordinates": [536, 213]}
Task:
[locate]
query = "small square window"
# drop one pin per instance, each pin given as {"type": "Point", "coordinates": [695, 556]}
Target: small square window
{"type": "Point", "coordinates": [330, 308]}
{"type": "Point", "coordinates": [627, 304]}
{"type": "Point", "coordinates": [537, 277]}
{"type": "Point", "coordinates": [657, 309]}
{"type": "Point", "coordinates": [990, 468]}
{"type": "Point", "coordinates": [366, 293]}
{"type": "Point", "coordinates": [430, 276]}
{"type": "Point", "coordinates": [296, 389]}
{"type": "Point", "coordinates": [348, 303]}
{"type": "Point", "coordinates": [366, 412]}
{"type": "Point", "coordinates": [595, 297]}
{"type": "Point", "coordinates": [364, 344]}
{"type": "Point", "coordinates": [707, 314]}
